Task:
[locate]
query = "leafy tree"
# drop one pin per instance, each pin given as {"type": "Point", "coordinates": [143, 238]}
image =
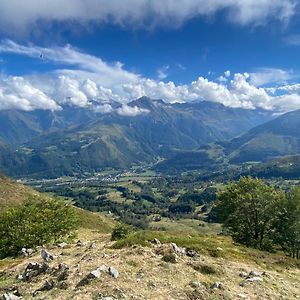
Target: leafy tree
{"type": "Point", "coordinates": [287, 233]}
{"type": "Point", "coordinates": [248, 209]}
{"type": "Point", "coordinates": [34, 223]}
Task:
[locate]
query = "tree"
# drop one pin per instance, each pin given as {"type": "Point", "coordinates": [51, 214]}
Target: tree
{"type": "Point", "coordinates": [287, 233]}
{"type": "Point", "coordinates": [33, 223]}
{"type": "Point", "coordinates": [248, 210]}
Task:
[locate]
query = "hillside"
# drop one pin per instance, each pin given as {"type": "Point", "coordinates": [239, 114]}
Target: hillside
{"type": "Point", "coordinates": [278, 137]}
{"type": "Point", "coordinates": [146, 264]}
{"type": "Point", "coordinates": [117, 141]}
{"type": "Point", "coordinates": [218, 270]}
{"type": "Point", "coordinates": [13, 193]}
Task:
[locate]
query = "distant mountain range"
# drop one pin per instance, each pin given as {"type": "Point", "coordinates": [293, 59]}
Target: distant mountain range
{"type": "Point", "coordinates": [77, 140]}
{"type": "Point", "coordinates": [275, 143]}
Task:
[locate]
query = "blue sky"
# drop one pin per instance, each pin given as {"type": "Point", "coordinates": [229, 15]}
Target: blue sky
{"type": "Point", "coordinates": [174, 50]}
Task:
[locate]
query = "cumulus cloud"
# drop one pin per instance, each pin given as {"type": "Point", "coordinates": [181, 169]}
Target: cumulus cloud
{"type": "Point", "coordinates": [19, 93]}
{"type": "Point", "coordinates": [130, 111]}
{"type": "Point", "coordinates": [19, 17]}
{"type": "Point", "coordinates": [91, 82]}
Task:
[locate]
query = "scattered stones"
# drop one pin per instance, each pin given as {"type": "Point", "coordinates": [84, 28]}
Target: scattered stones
{"type": "Point", "coordinates": [196, 284]}
{"type": "Point", "coordinates": [46, 256]}
{"type": "Point", "coordinates": [33, 269]}
{"type": "Point", "coordinates": [113, 272]}
{"type": "Point", "coordinates": [178, 250]}
{"type": "Point", "coordinates": [26, 252]}
{"type": "Point", "coordinates": [217, 285]}
{"type": "Point", "coordinates": [10, 296]}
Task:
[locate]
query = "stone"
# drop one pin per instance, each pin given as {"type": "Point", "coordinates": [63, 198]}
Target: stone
{"type": "Point", "coordinates": [219, 249]}
{"type": "Point", "coordinates": [62, 272]}
{"type": "Point", "coordinates": [33, 269]}
{"type": "Point", "coordinates": [26, 252]}
{"type": "Point", "coordinates": [191, 253]}
{"type": "Point", "coordinates": [46, 256]}
{"type": "Point", "coordinates": [88, 278]}
{"type": "Point", "coordinates": [62, 245]}
{"type": "Point", "coordinates": [253, 273]}
{"type": "Point", "coordinates": [254, 279]}
{"type": "Point", "coordinates": [196, 284]}
{"type": "Point", "coordinates": [156, 242]}
{"type": "Point", "coordinates": [47, 286]}
{"type": "Point", "coordinates": [217, 285]}
{"type": "Point", "coordinates": [113, 272]}
{"type": "Point", "coordinates": [243, 274]}
{"type": "Point", "coordinates": [178, 250]}
{"type": "Point", "coordinates": [10, 296]}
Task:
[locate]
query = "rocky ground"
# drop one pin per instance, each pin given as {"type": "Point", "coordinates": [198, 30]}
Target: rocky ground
{"type": "Point", "coordinates": [90, 269]}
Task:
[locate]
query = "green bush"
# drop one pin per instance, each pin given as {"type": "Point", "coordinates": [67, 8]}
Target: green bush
{"type": "Point", "coordinates": [120, 232]}
{"type": "Point", "coordinates": [34, 223]}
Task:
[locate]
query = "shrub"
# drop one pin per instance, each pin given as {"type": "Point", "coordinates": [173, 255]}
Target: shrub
{"type": "Point", "coordinates": [34, 223]}
{"type": "Point", "coordinates": [120, 232]}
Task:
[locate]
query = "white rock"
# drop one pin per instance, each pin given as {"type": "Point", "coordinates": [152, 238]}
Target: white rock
{"type": "Point", "coordinates": [254, 279]}
{"type": "Point", "coordinates": [113, 272]}
{"type": "Point", "coordinates": [10, 296]}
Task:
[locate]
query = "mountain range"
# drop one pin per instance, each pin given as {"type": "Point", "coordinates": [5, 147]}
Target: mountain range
{"type": "Point", "coordinates": [77, 140]}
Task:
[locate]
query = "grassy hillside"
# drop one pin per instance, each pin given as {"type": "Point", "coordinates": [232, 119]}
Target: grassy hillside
{"type": "Point", "coordinates": [12, 193]}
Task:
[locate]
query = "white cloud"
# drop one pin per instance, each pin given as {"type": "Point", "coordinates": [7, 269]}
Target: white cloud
{"type": "Point", "coordinates": [19, 93]}
{"type": "Point", "coordinates": [19, 17]}
{"type": "Point", "coordinates": [130, 111]}
{"type": "Point", "coordinates": [293, 40]}
{"type": "Point", "coordinates": [162, 73]}
{"type": "Point", "coordinates": [227, 73]}
{"type": "Point", "coordinates": [264, 76]}
{"type": "Point", "coordinates": [108, 74]}
{"type": "Point", "coordinates": [91, 82]}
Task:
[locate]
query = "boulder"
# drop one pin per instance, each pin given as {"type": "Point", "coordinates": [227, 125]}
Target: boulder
{"type": "Point", "coordinates": [156, 242]}
{"type": "Point", "coordinates": [47, 286]}
{"type": "Point", "coordinates": [178, 250]}
{"type": "Point", "coordinates": [191, 253]}
{"type": "Point", "coordinates": [33, 269]}
{"type": "Point", "coordinates": [113, 272]}
{"type": "Point", "coordinates": [46, 255]}
{"type": "Point", "coordinates": [10, 296]}
{"type": "Point", "coordinates": [217, 285]}
{"type": "Point", "coordinates": [63, 272]}
{"type": "Point", "coordinates": [89, 277]}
